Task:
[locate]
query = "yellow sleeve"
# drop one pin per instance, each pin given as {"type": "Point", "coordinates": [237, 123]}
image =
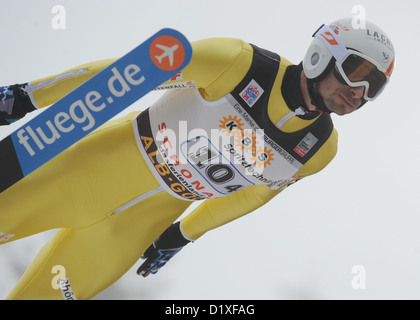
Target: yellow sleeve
{"type": "Point", "coordinates": [216, 67]}
{"type": "Point", "coordinates": [46, 91]}
{"type": "Point", "coordinates": [214, 213]}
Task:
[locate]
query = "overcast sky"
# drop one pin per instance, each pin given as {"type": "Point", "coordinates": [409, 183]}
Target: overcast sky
{"type": "Point", "coordinates": [362, 210]}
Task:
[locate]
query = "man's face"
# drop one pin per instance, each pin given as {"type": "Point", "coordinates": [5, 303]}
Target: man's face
{"type": "Point", "coordinates": [338, 97]}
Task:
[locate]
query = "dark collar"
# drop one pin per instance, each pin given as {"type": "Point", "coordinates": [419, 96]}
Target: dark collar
{"type": "Point", "coordinates": [292, 94]}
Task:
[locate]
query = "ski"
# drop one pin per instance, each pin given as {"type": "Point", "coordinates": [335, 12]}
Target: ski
{"type": "Point", "coordinates": [92, 104]}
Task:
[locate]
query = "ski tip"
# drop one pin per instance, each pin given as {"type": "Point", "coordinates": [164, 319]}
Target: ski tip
{"type": "Point", "coordinates": [170, 50]}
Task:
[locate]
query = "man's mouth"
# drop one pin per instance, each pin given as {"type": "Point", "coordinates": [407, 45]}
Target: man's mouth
{"type": "Point", "coordinates": [347, 102]}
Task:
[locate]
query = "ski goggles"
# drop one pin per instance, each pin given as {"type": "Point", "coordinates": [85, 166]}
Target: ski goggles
{"type": "Point", "coordinates": [354, 68]}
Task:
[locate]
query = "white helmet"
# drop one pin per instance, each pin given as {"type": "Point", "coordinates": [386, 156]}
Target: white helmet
{"type": "Point", "coordinates": [362, 56]}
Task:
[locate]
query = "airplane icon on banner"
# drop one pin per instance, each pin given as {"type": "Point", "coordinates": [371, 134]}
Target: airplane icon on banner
{"type": "Point", "coordinates": [168, 52]}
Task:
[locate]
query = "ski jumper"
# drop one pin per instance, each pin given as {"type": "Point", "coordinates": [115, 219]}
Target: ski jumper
{"type": "Point", "coordinates": [114, 192]}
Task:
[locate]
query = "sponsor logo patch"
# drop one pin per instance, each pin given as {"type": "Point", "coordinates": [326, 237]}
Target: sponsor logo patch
{"type": "Point", "coordinates": [252, 93]}
{"type": "Point", "coordinates": [190, 84]}
{"type": "Point", "coordinates": [305, 145]}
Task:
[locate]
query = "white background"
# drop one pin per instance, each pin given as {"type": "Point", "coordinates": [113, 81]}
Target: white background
{"type": "Point", "coordinates": [361, 210]}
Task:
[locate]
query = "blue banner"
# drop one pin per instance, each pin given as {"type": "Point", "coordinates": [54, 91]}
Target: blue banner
{"type": "Point", "coordinates": [100, 98]}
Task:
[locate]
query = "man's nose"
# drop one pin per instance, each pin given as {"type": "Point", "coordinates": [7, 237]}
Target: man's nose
{"type": "Point", "coordinates": [357, 92]}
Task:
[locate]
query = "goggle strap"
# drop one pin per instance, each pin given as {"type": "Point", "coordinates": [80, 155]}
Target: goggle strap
{"type": "Point", "coordinates": [334, 44]}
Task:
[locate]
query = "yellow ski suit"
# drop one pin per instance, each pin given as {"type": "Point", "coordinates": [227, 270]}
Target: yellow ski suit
{"type": "Point", "coordinates": [85, 190]}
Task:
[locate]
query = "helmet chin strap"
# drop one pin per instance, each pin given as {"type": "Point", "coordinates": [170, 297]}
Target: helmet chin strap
{"type": "Point", "coordinates": [316, 99]}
